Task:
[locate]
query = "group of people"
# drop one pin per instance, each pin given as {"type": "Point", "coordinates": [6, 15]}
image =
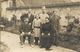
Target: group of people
{"type": "Point", "coordinates": [42, 29]}
{"type": "Point", "coordinates": [39, 29]}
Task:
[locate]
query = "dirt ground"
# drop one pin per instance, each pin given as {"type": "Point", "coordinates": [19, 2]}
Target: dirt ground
{"type": "Point", "coordinates": [12, 41]}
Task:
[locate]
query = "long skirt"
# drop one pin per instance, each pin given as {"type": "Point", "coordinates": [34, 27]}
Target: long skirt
{"type": "Point", "coordinates": [45, 41]}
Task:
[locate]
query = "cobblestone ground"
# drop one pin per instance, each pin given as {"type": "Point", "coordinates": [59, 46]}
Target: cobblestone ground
{"type": "Point", "coordinates": [12, 41]}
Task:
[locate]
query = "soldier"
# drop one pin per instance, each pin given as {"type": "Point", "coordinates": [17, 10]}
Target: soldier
{"type": "Point", "coordinates": [36, 29]}
{"type": "Point", "coordinates": [25, 29]}
{"type": "Point", "coordinates": [23, 17]}
{"type": "Point", "coordinates": [45, 40]}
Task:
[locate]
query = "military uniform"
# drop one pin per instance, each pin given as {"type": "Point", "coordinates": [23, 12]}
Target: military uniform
{"type": "Point", "coordinates": [25, 30]}
{"type": "Point", "coordinates": [23, 17]}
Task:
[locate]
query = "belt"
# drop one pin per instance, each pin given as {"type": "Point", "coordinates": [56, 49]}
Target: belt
{"type": "Point", "coordinates": [36, 27]}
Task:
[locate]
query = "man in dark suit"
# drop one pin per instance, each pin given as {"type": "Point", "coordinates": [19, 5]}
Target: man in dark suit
{"type": "Point", "coordinates": [30, 16]}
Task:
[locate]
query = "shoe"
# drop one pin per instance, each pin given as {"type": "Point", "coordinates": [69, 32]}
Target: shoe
{"type": "Point", "coordinates": [41, 47]}
{"type": "Point", "coordinates": [48, 49]}
{"type": "Point", "coordinates": [36, 43]}
{"type": "Point", "coordinates": [32, 45]}
{"type": "Point", "coordinates": [22, 46]}
{"type": "Point", "coordinates": [21, 43]}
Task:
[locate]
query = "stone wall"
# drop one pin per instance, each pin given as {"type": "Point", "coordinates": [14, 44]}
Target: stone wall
{"type": "Point", "coordinates": [62, 12]}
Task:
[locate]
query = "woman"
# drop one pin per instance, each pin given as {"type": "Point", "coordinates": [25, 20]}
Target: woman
{"type": "Point", "coordinates": [45, 40]}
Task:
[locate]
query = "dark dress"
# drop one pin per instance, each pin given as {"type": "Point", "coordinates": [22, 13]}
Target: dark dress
{"type": "Point", "coordinates": [45, 40]}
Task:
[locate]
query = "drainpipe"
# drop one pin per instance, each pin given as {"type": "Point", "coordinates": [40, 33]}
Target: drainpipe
{"type": "Point", "coordinates": [0, 8]}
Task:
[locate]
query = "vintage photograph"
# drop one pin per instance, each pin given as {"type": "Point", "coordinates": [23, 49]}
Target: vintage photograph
{"type": "Point", "coordinates": [39, 25]}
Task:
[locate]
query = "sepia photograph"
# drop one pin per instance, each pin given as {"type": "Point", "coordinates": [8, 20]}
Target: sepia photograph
{"type": "Point", "coordinates": [39, 25]}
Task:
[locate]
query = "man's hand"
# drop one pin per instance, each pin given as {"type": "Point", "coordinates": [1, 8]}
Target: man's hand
{"type": "Point", "coordinates": [29, 23]}
{"type": "Point", "coordinates": [29, 33]}
{"type": "Point", "coordinates": [42, 33]}
{"type": "Point", "coordinates": [49, 34]}
{"type": "Point", "coordinates": [22, 33]}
